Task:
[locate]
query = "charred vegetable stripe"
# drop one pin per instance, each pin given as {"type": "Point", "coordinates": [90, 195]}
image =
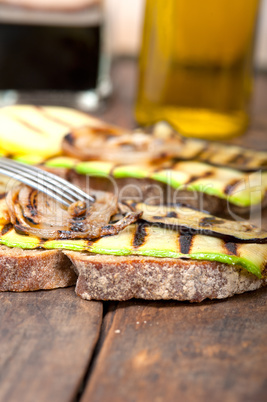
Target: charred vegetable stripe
{"type": "Point", "coordinates": [185, 243]}
{"type": "Point", "coordinates": [187, 220]}
{"type": "Point", "coordinates": [236, 187]}
{"type": "Point", "coordinates": [214, 152]}
{"type": "Point", "coordinates": [140, 235]}
{"type": "Point", "coordinates": [157, 242]}
{"type": "Point", "coordinates": [231, 156]}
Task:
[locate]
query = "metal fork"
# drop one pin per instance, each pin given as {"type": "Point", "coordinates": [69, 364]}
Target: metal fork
{"type": "Point", "coordinates": [46, 182]}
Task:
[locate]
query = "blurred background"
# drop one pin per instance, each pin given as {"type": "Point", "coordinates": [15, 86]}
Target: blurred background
{"type": "Point", "coordinates": [70, 46]}
{"type": "Point", "coordinates": [125, 24]}
{"type": "Point", "coordinates": [125, 19]}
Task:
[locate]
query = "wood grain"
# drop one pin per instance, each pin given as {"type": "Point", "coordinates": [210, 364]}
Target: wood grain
{"type": "Point", "coordinates": [47, 340]}
{"type": "Point", "coordinates": [151, 351]}
{"type": "Point", "coordinates": [167, 351]}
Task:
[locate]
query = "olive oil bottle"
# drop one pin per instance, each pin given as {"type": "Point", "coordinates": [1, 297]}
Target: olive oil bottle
{"type": "Point", "coordinates": [196, 65]}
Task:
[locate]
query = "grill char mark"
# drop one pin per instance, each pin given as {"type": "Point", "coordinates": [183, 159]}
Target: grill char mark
{"type": "Point", "coordinates": [171, 214]}
{"type": "Point", "coordinates": [78, 224]}
{"type": "Point", "coordinates": [196, 177]}
{"type": "Point", "coordinates": [209, 221]}
{"type": "Point", "coordinates": [185, 241]}
{"type": "Point", "coordinates": [6, 228]}
{"type": "Point", "coordinates": [140, 235]}
{"type": "Point", "coordinates": [231, 248]}
{"type": "Point", "coordinates": [199, 154]}
{"type": "Point", "coordinates": [108, 132]}
{"type": "Point", "coordinates": [196, 156]}
{"type": "Point", "coordinates": [34, 199]}
{"type": "Point", "coordinates": [32, 208]}
{"type": "Point", "coordinates": [69, 138]}
{"type": "Point", "coordinates": [30, 220]}
{"type": "Point", "coordinates": [32, 203]}
{"type": "Point", "coordinates": [29, 126]}
{"type": "Point", "coordinates": [231, 186]}
{"type": "Point", "coordinates": [239, 158]}
{"type": "Point", "coordinates": [46, 114]}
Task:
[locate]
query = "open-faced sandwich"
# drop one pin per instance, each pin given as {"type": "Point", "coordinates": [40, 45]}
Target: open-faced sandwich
{"type": "Point", "coordinates": [127, 244]}
{"type": "Point", "coordinates": [160, 166]}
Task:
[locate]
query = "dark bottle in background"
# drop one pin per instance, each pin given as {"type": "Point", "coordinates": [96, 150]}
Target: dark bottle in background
{"type": "Point", "coordinates": [49, 51]}
{"type": "Point", "coordinates": [49, 57]}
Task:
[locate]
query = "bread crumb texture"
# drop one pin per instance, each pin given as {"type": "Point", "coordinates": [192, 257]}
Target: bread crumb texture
{"type": "Point", "coordinates": [106, 277]}
{"type": "Point", "coordinates": [27, 270]}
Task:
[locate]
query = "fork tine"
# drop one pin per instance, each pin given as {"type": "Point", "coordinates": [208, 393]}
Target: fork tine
{"type": "Point", "coordinates": [37, 180]}
{"type": "Point", "coordinates": [35, 185]}
{"type": "Point", "coordinates": [43, 181]}
{"type": "Point", "coordinates": [68, 187]}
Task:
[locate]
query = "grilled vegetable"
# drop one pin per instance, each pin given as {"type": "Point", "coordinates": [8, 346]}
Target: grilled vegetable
{"type": "Point", "coordinates": [117, 145]}
{"type": "Point", "coordinates": [32, 212]}
{"type": "Point", "coordinates": [239, 188]}
{"type": "Point", "coordinates": [4, 214]}
{"type": "Point", "coordinates": [33, 134]}
{"type": "Point", "coordinates": [214, 153]}
{"type": "Point", "coordinates": [141, 239]}
{"type": "Point", "coordinates": [37, 131]}
{"type": "Point", "coordinates": [109, 143]}
{"type": "Point", "coordinates": [190, 221]}
{"type": "Point", "coordinates": [232, 156]}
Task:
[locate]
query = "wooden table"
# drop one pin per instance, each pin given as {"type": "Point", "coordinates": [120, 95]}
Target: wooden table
{"type": "Point", "coordinates": [56, 347]}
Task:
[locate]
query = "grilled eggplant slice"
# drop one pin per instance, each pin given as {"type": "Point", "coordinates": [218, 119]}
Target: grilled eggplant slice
{"type": "Point", "coordinates": [214, 153]}
{"type": "Point", "coordinates": [190, 221]}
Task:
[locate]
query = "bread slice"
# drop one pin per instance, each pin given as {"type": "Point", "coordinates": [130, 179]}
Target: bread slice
{"type": "Point", "coordinates": [26, 270]}
{"type": "Point", "coordinates": [107, 277]}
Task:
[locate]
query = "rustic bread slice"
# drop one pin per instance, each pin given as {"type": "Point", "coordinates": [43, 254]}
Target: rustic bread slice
{"type": "Point", "coordinates": [27, 270]}
{"type": "Point", "coordinates": [107, 277]}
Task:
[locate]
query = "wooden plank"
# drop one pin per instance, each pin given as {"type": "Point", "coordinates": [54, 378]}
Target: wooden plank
{"type": "Point", "coordinates": [47, 340]}
{"type": "Point", "coordinates": [172, 351]}
{"type": "Point", "coordinates": [169, 351]}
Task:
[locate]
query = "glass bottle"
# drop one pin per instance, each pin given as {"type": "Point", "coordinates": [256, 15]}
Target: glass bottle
{"type": "Point", "coordinates": [196, 65]}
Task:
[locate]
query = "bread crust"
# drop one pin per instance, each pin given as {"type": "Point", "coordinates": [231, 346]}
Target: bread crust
{"type": "Point", "coordinates": [106, 277]}
{"type": "Point", "coordinates": [27, 270]}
